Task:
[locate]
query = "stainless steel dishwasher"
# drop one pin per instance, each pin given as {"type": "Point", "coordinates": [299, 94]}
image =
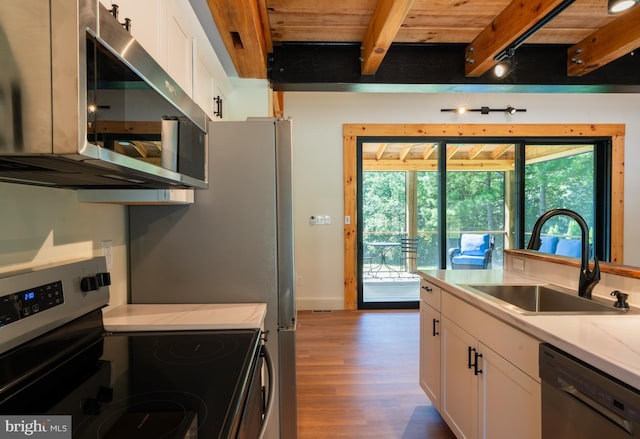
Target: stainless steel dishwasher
{"type": "Point", "coordinates": [582, 402]}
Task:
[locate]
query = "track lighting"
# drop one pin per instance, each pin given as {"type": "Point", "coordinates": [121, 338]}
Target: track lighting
{"type": "Point", "coordinates": [616, 6]}
{"type": "Point", "coordinates": [503, 68]}
{"type": "Point", "coordinates": [484, 110]}
{"type": "Point", "coordinates": [506, 64]}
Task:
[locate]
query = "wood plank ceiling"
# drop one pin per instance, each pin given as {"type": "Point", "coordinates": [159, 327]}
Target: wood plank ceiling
{"type": "Point", "coordinates": [460, 157]}
{"type": "Point", "coordinates": [250, 29]}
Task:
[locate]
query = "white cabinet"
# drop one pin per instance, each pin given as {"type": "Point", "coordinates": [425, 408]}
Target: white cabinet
{"type": "Point", "coordinates": [430, 342]}
{"type": "Point", "coordinates": [170, 31]}
{"type": "Point", "coordinates": [180, 44]}
{"type": "Point", "coordinates": [488, 373]}
{"type": "Point", "coordinates": [205, 87]}
{"type": "Point", "coordinates": [509, 400]}
{"type": "Point", "coordinates": [483, 394]}
{"type": "Point", "coordinates": [145, 16]}
{"type": "Point", "coordinates": [459, 384]}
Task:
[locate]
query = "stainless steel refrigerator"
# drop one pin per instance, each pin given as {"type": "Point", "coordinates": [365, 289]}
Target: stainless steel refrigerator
{"type": "Point", "coordinates": [234, 244]}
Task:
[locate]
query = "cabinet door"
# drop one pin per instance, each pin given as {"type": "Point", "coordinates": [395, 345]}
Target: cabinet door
{"type": "Point", "coordinates": [430, 353]}
{"type": "Point", "coordinates": [179, 48]}
{"type": "Point", "coordinates": [204, 87]}
{"type": "Point", "coordinates": [145, 19]}
{"type": "Point", "coordinates": [509, 400]}
{"type": "Point", "coordinates": [459, 384]}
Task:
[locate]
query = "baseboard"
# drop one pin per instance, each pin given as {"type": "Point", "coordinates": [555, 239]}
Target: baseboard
{"type": "Point", "coordinates": [311, 304]}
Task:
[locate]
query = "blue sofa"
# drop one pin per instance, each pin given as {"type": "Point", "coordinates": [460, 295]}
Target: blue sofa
{"type": "Point", "coordinates": [562, 247]}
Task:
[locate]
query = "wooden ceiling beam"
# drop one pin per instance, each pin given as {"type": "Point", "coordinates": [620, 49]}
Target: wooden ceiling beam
{"type": "Point", "coordinates": [381, 149]}
{"type": "Point", "coordinates": [242, 29]}
{"type": "Point", "coordinates": [499, 151]}
{"type": "Point", "coordinates": [510, 24]}
{"type": "Point", "coordinates": [387, 18]}
{"type": "Point", "coordinates": [473, 152]}
{"type": "Point", "coordinates": [451, 150]}
{"type": "Point", "coordinates": [607, 44]}
{"type": "Point", "coordinates": [404, 152]}
{"type": "Point", "coordinates": [266, 26]}
{"type": "Point", "coordinates": [428, 149]}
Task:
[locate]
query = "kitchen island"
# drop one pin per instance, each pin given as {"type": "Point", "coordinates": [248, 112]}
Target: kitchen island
{"type": "Point", "coordinates": [479, 356]}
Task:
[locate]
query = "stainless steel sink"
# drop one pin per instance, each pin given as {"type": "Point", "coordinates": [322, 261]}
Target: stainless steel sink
{"type": "Point", "coordinates": [544, 299]}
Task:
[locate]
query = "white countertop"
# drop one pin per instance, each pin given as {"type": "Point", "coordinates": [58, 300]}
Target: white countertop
{"type": "Point", "coordinates": [607, 342]}
{"type": "Point", "coordinates": [184, 317]}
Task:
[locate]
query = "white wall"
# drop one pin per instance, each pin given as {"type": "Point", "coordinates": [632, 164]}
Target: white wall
{"type": "Point", "coordinates": [249, 98]}
{"type": "Point", "coordinates": [42, 226]}
{"type": "Point", "coordinates": [318, 183]}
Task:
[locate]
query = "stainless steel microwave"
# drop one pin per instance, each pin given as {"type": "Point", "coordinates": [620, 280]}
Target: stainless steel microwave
{"type": "Point", "coordinates": [83, 105]}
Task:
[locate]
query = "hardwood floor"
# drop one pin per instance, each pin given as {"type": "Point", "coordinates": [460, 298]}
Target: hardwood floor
{"type": "Point", "coordinates": [357, 375]}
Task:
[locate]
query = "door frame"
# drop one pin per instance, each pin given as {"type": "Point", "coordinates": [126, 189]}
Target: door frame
{"type": "Point", "coordinates": [351, 132]}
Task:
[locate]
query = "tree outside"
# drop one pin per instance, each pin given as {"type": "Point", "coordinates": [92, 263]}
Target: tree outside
{"type": "Point", "coordinates": [475, 203]}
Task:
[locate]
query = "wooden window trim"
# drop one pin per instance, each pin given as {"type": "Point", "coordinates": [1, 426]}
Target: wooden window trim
{"type": "Point", "coordinates": [351, 132]}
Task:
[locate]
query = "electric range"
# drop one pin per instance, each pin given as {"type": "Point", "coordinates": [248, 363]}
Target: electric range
{"type": "Point", "coordinates": [160, 384]}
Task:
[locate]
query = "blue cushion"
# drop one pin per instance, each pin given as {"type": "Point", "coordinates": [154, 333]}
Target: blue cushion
{"type": "Point", "coordinates": [549, 244]}
{"type": "Point", "coordinates": [569, 247]}
{"type": "Point", "coordinates": [474, 245]}
{"type": "Point", "coordinates": [468, 260]}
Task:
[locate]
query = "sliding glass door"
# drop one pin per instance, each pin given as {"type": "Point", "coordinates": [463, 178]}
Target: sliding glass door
{"type": "Point", "coordinates": [464, 202]}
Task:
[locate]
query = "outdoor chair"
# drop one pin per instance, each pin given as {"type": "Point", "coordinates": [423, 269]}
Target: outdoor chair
{"type": "Point", "coordinates": [473, 252]}
{"type": "Point", "coordinates": [548, 244]}
{"type": "Point", "coordinates": [409, 249]}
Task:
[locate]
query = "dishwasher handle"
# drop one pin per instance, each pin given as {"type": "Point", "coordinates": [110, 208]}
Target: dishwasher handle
{"type": "Point", "coordinates": [595, 405]}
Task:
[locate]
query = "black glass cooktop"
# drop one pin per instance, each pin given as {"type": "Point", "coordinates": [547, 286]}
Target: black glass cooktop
{"type": "Point", "coordinates": [143, 384]}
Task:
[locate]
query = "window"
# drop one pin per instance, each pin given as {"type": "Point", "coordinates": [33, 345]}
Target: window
{"type": "Point", "coordinates": [494, 186]}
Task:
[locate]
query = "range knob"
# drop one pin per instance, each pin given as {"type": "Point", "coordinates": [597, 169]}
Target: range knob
{"type": "Point", "coordinates": [89, 283]}
{"type": "Point", "coordinates": [92, 283]}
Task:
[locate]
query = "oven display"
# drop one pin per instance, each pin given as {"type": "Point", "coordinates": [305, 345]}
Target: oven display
{"type": "Point", "coordinates": [23, 304]}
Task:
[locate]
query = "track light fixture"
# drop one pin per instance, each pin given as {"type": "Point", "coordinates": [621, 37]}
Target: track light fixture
{"type": "Point", "coordinates": [505, 59]}
{"type": "Point", "coordinates": [616, 6]}
{"type": "Point", "coordinates": [484, 110]}
{"type": "Point", "coordinates": [506, 64]}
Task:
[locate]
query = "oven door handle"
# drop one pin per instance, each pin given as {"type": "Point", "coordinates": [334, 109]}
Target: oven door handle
{"type": "Point", "coordinates": [270, 395]}
{"type": "Point", "coordinates": [595, 405]}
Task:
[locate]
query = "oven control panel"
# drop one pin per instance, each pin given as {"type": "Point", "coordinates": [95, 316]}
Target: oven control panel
{"type": "Point", "coordinates": [25, 303]}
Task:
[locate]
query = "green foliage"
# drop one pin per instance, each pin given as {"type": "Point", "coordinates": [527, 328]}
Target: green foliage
{"type": "Point", "coordinates": [383, 202]}
{"type": "Point", "coordinates": [476, 202]}
{"type": "Point", "coordinates": [562, 183]}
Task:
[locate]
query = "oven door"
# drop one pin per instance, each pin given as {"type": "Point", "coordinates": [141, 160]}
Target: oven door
{"type": "Point", "coordinates": [581, 402]}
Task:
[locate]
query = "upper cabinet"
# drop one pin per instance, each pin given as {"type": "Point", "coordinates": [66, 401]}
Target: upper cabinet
{"type": "Point", "coordinates": [179, 46]}
{"type": "Point", "coordinates": [170, 31]}
{"type": "Point", "coordinates": [144, 16]}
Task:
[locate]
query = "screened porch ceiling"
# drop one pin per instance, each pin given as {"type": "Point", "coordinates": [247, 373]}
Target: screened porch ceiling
{"type": "Point", "coordinates": [460, 157]}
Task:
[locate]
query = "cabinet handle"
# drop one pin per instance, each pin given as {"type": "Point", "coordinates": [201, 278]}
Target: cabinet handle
{"type": "Point", "coordinates": [476, 370]}
{"type": "Point", "coordinates": [469, 363]}
{"type": "Point", "coordinates": [427, 288]}
{"type": "Point", "coordinates": [435, 331]}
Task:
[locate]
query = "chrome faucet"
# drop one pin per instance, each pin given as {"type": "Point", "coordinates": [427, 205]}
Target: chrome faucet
{"type": "Point", "coordinates": [588, 278]}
